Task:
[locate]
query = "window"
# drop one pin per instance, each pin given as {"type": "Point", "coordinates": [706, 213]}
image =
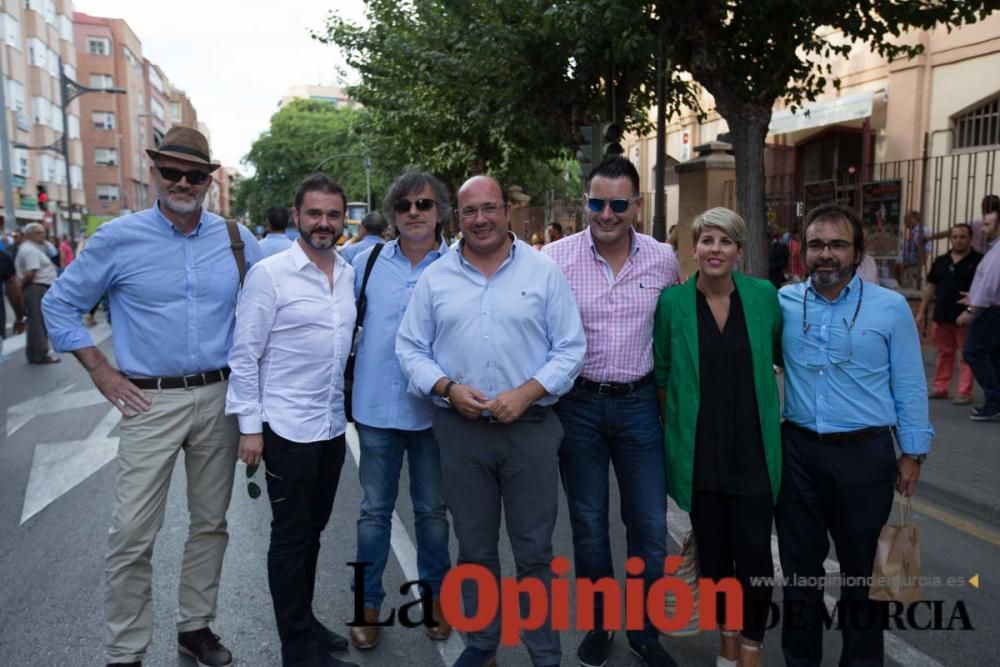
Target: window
{"type": "Point", "coordinates": [65, 28]}
{"type": "Point", "coordinates": [101, 81]}
{"type": "Point", "coordinates": [46, 168]}
{"type": "Point", "coordinates": [107, 192]}
{"type": "Point", "coordinates": [979, 127]}
{"type": "Point", "coordinates": [33, 4]}
{"type": "Point", "coordinates": [11, 31]}
{"type": "Point", "coordinates": [99, 46]}
{"type": "Point", "coordinates": [49, 11]}
{"type": "Point", "coordinates": [103, 120]}
{"type": "Point", "coordinates": [15, 95]}
{"type": "Point", "coordinates": [157, 109]}
{"type": "Point", "coordinates": [60, 171]}
{"type": "Point", "coordinates": [37, 52]}
{"type": "Point", "coordinates": [21, 163]}
{"type": "Point", "coordinates": [155, 80]}
{"type": "Point", "coordinates": [53, 63]}
{"type": "Point", "coordinates": [76, 176]}
{"type": "Point", "coordinates": [42, 108]}
{"type": "Point", "coordinates": [107, 157]}
{"type": "Point", "coordinates": [70, 70]}
{"type": "Point", "coordinates": [175, 112]}
{"type": "Point", "coordinates": [73, 129]}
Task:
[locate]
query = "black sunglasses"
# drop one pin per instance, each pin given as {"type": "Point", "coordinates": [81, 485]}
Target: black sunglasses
{"type": "Point", "coordinates": [253, 489]}
{"type": "Point", "coordinates": [403, 205]}
{"type": "Point", "coordinates": [194, 177]}
{"type": "Point", "coordinates": [596, 204]}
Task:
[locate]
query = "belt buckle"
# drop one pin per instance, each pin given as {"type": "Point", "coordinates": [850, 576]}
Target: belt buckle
{"type": "Point", "coordinates": [601, 391]}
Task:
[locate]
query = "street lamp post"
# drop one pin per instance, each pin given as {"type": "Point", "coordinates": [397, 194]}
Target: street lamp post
{"type": "Point", "coordinates": [69, 90]}
{"type": "Point", "coordinates": [365, 161]}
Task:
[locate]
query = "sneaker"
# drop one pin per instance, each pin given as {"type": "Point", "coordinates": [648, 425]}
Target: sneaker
{"type": "Point", "coordinates": [651, 654]}
{"type": "Point", "coordinates": [476, 657]}
{"type": "Point", "coordinates": [594, 648]}
{"type": "Point", "coordinates": [985, 414]}
{"type": "Point", "coordinates": [937, 394]}
{"type": "Point", "coordinates": [962, 400]}
{"type": "Point", "coordinates": [204, 646]}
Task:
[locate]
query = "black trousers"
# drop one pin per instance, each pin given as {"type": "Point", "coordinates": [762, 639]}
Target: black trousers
{"type": "Point", "coordinates": [733, 534]}
{"type": "Point", "coordinates": [301, 484]}
{"type": "Point", "coordinates": [843, 490]}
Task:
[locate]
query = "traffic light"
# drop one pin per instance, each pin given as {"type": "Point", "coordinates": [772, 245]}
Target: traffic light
{"type": "Point", "coordinates": [43, 198]}
{"type": "Point", "coordinates": [611, 136]}
{"type": "Point", "coordinates": [587, 156]}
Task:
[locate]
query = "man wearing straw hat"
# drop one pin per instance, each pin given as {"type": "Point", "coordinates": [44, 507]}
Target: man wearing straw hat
{"type": "Point", "coordinates": [173, 273]}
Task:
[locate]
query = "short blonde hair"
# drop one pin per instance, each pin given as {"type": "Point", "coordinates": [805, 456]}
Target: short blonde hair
{"type": "Point", "coordinates": [729, 222]}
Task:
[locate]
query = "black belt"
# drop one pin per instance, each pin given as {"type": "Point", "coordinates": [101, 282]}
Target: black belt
{"type": "Point", "coordinates": [184, 382]}
{"type": "Point", "coordinates": [534, 414]}
{"type": "Point", "coordinates": [614, 388]}
{"type": "Point", "coordinates": [861, 435]}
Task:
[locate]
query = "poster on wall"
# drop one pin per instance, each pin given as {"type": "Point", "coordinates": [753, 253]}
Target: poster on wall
{"type": "Point", "coordinates": [818, 193]}
{"type": "Point", "coordinates": [881, 211]}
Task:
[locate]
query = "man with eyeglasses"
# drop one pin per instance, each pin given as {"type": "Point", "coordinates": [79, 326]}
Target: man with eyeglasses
{"type": "Point", "coordinates": [492, 332]}
{"type": "Point", "coordinates": [612, 415]}
{"type": "Point", "coordinates": [173, 274]}
{"type": "Point", "coordinates": [948, 280]}
{"type": "Point", "coordinates": [291, 343]}
{"type": "Point", "coordinates": [373, 226]}
{"type": "Point", "coordinates": [390, 421]}
{"type": "Point", "coordinates": [982, 315]}
{"type": "Point", "coordinates": [854, 379]}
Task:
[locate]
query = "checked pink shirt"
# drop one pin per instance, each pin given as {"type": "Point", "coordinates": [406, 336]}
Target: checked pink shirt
{"type": "Point", "coordinates": [617, 311]}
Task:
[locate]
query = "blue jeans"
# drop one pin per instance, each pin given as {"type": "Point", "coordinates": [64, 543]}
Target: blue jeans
{"type": "Point", "coordinates": [625, 431]}
{"type": "Point", "coordinates": [381, 461]}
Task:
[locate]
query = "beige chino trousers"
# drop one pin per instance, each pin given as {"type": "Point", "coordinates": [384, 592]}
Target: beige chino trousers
{"type": "Point", "coordinates": [192, 420]}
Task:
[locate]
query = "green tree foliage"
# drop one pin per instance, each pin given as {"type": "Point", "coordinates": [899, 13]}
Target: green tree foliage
{"type": "Point", "coordinates": [303, 133]}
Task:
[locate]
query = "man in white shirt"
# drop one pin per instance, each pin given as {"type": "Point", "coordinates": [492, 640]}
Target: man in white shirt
{"type": "Point", "coordinates": [36, 273]}
{"type": "Point", "coordinates": [287, 391]}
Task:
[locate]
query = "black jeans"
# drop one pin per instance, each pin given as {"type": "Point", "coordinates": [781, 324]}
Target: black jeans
{"type": "Point", "coordinates": [844, 490]}
{"type": "Point", "coordinates": [301, 483]}
{"type": "Point", "coordinates": [982, 353]}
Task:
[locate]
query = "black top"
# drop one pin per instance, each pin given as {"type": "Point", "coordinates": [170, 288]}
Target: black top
{"type": "Point", "coordinates": [6, 273]}
{"type": "Point", "coordinates": [950, 278]}
{"type": "Point", "coordinates": [729, 452]}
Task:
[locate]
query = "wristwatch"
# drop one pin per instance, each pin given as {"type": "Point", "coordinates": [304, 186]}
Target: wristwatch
{"type": "Point", "coordinates": [919, 458]}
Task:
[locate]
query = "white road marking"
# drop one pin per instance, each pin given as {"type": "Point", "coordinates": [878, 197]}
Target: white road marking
{"type": "Point", "coordinates": [59, 400]}
{"type": "Point", "coordinates": [58, 467]}
{"type": "Point", "coordinates": [406, 554]}
{"type": "Point", "coordinates": [16, 343]}
{"type": "Point", "coordinates": [678, 524]}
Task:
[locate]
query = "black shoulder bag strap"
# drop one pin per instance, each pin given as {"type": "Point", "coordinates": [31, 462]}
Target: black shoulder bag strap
{"type": "Point", "coordinates": [362, 302]}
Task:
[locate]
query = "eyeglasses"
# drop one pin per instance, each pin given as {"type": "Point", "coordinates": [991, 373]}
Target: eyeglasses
{"type": "Point", "coordinates": [837, 245]}
{"type": "Point", "coordinates": [253, 489]}
{"type": "Point", "coordinates": [194, 177]}
{"type": "Point", "coordinates": [488, 210]}
{"type": "Point", "coordinates": [403, 205]}
{"type": "Point", "coordinates": [596, 204]}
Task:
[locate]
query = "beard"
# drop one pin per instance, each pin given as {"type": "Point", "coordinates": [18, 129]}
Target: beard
{"type": "Point", "coordinates": [830, 279]}
{"type": "Point", "coordinates": [315, 243]}
{"type": "Point", "coordinates": [178, 207]}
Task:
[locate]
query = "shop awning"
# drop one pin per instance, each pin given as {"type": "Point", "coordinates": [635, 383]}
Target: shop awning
{"type": "Point", "coordinates": [825, 112]}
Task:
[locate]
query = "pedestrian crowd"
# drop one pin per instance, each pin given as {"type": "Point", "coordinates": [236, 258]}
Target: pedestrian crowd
{"type": "Point", "coordinates": [498, 371]}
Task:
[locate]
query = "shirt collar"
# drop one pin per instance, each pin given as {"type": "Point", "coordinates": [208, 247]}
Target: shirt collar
{"type": "Point", "coordinates": [391, 248]}
{"type": "Point", "coordinates": [845, 293]}
{"type": "Point", "coordinates": [633, 241]}
{"type": "Point", "coordinates": [165, 221]}
{"type": "Point", "coordinates": [513, 244]}
{"type": "Point", "coordinates": [300, 259]}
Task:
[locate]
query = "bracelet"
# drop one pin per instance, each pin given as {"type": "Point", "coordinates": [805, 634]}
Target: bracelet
{"type": "Point", "coordinates": [447, 390]}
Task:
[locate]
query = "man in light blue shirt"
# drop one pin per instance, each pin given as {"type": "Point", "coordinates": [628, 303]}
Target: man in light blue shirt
{"type": "Point", "coordinates": [493, 333]}
{"type": "Point", "coordinates": [276, 240]}
{"type": "Point", "coordinates": [373, 226]}
{"type": "Point", "coordinates": [173, 280]}
{"type": "Point", "coordinates": [854, 378]}
{"type": "Point", "coordinates": [390, 421]}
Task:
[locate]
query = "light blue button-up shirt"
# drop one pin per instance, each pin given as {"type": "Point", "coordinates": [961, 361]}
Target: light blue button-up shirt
{"type": "Point", "coordinates": [352, 250]}
{"type": "Point", "coordinates": [173, 297]}
{"type": "Point", "coordinates": [274, 243]}
{"type": "Point", "coordinates": [492, 334]}
{"type": "Point", "coordinates": [843, 379]}
{"type": "Point", "coordinates": [380, 396]}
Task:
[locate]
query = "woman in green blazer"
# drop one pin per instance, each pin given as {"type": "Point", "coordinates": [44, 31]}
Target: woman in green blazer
{"type": "Point", "coordinates": [714, 342]}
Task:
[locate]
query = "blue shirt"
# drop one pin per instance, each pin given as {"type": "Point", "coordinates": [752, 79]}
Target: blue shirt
{"type": "Point", "coordinates": [843, 379]}
{"type": "Point", "coordinates": [492, 334]}
{"type": "Point", "coordinates": [380, 396]}
{"type": "Point", "coordinates": [352, 250]}
{"type": "Point", "coordinates": [274, 243]}
{"type": "Point", "coordinates": [292, 232]}
{"type": "Point", "coordinates": [173, 297]}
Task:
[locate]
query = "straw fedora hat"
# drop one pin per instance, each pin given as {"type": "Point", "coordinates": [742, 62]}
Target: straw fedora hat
{"type": "Point", "coordinates": [184, 143]}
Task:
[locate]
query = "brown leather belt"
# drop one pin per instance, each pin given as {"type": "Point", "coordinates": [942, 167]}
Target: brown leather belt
{"type": "Point", "coordinates": [183, 382]}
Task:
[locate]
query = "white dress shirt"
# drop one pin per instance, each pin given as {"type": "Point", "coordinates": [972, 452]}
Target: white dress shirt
{"type": "Point", "coordinates": [290, 347]}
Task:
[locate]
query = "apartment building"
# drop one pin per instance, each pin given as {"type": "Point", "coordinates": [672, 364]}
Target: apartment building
{"type": "Point", "coordinates": [333, 95]}
{"type": "Point", "coordinates": [36, 36]}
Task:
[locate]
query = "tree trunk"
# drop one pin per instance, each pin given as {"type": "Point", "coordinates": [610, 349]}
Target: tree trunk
{"type": "Point", "coordinates": [748, 129]}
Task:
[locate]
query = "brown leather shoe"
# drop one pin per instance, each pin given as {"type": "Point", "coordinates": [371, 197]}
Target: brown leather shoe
{"type": "Point", "coordinates": [365, 637]}
{"type": "Point", "coordinates": [442, 630]}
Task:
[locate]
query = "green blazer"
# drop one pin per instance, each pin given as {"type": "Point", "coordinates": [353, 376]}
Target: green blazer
{"type": "Point", "coordinates": [675, 347]}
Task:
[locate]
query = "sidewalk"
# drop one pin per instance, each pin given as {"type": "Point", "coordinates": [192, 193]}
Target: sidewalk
{"type": "Point", "coordinates": [963, 468]}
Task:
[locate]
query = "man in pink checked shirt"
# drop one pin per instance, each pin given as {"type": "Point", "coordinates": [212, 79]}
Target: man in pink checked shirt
{"type": "Point", "coordinates": [611, 415]}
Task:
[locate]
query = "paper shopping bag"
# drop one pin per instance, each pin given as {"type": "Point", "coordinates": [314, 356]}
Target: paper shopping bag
{"type": "Point", "coordinates": [896, 571]}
